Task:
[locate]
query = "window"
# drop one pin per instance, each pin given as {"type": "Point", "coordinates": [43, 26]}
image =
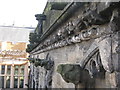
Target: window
{"type": "Point", "coordinates": [8, 69]}
{"type": "Point", "coordinates": [21, 82]}
{"type": "Point", "coordinates": [8, 82]}
{"type": "Point", "coordinates": [7, 72]}
{"type": "Point", "coordinates": [3, 69]}
{"type": "Point", "coordinates": [15, 82]}
{"type": "Point", "coordinates": [1, 81]}
{"type": "Point", "coordinates": [22, 70]}
{"type": "Point", "coordinates": [16, 70]}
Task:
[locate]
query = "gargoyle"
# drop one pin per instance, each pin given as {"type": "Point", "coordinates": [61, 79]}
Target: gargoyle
{"type": "Point", "coordinates": [72, 73]}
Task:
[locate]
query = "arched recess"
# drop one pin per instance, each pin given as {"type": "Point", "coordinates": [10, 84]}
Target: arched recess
{"type": "Point", "coordinates": [94, 65]}
{"type": "Point", "coordinates": [92, 62]}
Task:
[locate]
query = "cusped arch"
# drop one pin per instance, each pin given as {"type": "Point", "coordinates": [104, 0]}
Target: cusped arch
{"type": "Point", "coordinates": [92, 61]}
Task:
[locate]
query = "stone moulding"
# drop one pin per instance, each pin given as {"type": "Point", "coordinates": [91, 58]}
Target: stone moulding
{"type": "Point", "coordinates": [80, 29]}
{"type": "Point", "coordinates": [92, 33]}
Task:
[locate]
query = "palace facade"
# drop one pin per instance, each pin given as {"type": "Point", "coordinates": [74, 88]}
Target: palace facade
{"type": "Point", "coordinates": [14, 65]}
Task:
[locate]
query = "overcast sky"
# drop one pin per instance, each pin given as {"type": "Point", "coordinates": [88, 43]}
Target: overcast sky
{"type": "Point", "coordinates": [20, 12]}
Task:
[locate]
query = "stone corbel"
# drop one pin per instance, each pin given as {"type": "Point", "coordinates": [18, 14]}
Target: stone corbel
{"type": "Point", "coordinates": [70, 73]}
{"type": "Point", "coordinates": [74, 73]}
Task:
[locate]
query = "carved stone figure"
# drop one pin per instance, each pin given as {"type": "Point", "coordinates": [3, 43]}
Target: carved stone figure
{"type": "Point", "coordinates": [73, 73]}
{"type": "Point", "coordinates": [48, 77]}
{"type": "Point", "coordinates": [70, 73]}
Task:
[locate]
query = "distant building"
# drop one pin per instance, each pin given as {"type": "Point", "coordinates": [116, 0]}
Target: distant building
{"type": "Point", "coordinates": [13, 57]}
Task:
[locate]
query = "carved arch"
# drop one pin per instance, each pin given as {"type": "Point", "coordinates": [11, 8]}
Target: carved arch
{"type": "Point", "coordinates": [104, 47]}
{"type": "Point", "coordinates": [92, 62]}
{"type": "Point", "coordinates": [94, 65]}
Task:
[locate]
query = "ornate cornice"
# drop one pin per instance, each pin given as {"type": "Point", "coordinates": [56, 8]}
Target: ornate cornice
{"type": "Point", "coordinates": [12, 54]}
{"type": "Point", "coordinates": [91, 33]}
{"type": "Point", "coordinates": [79, 29]}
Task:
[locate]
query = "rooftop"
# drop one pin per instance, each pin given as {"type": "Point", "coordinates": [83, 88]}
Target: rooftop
{"type": "Point", "coordinates": [15, 34]}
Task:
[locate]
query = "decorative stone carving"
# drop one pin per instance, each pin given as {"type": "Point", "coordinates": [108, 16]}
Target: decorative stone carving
{"type": "Point", "coordinates": [88, 34]}
{"type": "Point", "coordinates": [70, 73]}
{"type": "Point", "coordinates": [48, 77]}
{"type": "Point", "coordinates": [95, 67]}
{"type": "Point", "coordinates": [65, 32]}
{"type": "Point", "coordinates": [73, 73]}
{"type": "Point", "coordinates": [40, 18]}
{"type": "Point", "coordinates": [99, 57]}
{"type": "Point", "coordinates": [38, 62]}
{"type": "Point", "coordinates": [49, 64]}
{"type": "Point", "coordinates": [115, 20]}
{"type": "Point", "coordinates": [70, 28]}
{"type": "Point", "coordinates": [46, 63]}
{"type": "Point", "coordinates": [84, 26]}
{"type": "Point", "coordinates": [84, 35]}
{"type": "Point", "coordinates": [36, 78]}
{"type": "Point", "coordinates": [93, 18]}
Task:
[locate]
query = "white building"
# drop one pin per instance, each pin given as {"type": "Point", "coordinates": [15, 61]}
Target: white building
{"type": "Point", "coordinates": [13, 57]}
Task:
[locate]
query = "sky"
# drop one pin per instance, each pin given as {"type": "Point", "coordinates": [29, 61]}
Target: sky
{"type": "Point", "coordinates": [20, 12]}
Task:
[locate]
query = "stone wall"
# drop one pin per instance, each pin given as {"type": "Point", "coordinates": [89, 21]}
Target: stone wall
{"type": "Point", "coordinates": [80, 51]}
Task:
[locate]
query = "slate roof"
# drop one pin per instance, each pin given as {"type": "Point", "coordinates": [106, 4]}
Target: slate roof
{"type": "Point", "coordinates": [15, 34]}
